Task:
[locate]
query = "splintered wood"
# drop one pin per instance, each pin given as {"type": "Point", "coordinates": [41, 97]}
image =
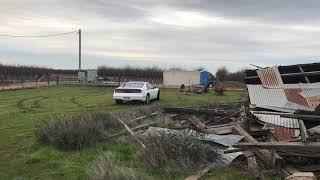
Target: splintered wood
{"type": "Point", "coordinates": [130, 131]}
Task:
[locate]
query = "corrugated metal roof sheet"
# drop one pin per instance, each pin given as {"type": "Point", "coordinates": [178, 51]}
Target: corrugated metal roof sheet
{"type": "Point", "coordinates": [266, 97]}
{"type": "Point", "coordinates": [294, 96]}
{"type": "Point", "coordinates": [310, 93]}
{"type": "Point", "coordinates": [303, 86]}
{"type": "Point", "coordinates": [270, 77]}
{"type": "Point", "coordinates": [287, 100]}
{"type": "Point", "coordinates": [313, 101]}
{"type": "Point", "coordinates": [282, 133]}
{"type": "Point", "coordinates": [277, 120]}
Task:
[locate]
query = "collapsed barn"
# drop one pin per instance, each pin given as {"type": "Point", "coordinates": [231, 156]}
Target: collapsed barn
{"type": "Point", "coordinates": [279, 127]}
{"type": "Point", "coordinates": [285, 101]}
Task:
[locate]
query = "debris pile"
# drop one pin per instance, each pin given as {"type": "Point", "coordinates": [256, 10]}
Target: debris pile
{"type": "Point", "coordinates": [284, 101]}
{"type": "Point", "coordinates": [197, 89]}
{"type": "Point", "coordinates": [278, 129]}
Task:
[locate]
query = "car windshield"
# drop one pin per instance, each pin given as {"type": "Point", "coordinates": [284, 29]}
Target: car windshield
{"type": "Point", "coordinates": [133, 85]}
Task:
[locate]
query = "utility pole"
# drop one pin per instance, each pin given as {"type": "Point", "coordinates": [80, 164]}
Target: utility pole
{"type": "Point", "coordinates": [79, 50]}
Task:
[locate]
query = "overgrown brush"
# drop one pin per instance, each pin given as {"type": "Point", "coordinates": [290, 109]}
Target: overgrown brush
{"type": "Point", "coordinates": [104, 168]}
{"type": "Point", "coordinates": [177, 153]}
{"type": "Point", "coordinates": [74, 132]}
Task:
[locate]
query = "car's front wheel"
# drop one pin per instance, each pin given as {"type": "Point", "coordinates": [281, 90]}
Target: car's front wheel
{"type": "Point", "coordinates": [147, 101]}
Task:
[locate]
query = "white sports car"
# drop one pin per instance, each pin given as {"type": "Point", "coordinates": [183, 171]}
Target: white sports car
{"type": "Point", "coordinates": [136, 91]}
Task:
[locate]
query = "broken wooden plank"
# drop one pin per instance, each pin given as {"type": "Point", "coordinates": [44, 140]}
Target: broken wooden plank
{"type": "Point", "coordinates": [303, 131]}
{"type": "Point", "coordinates": [252, 163]}
{"type": "Point", "coordinates": [219, 130]}
{"type": "Point", "coordinates": [194, 120]}
{"type": "Point", "coordinates": [133, 129]}
{"type": "Point", "coordinates": [280, 145]}
{"type": "Point", "coordinates": [143, 117]}
{"type": "Point", "coordinates": [182, 110]}
{"type": "Point", "coordinates": [130, 131]}
{"type": "Point", "coordinates": [274, 160]}
{"type": "Point", "coordinates": [224, 118]}
{"type": "Point", "coordinates": [198, 174]}
{"type": "Point", "coordinates": [227, 124]}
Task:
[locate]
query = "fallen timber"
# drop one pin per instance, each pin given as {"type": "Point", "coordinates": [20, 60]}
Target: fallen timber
{"type": "Point", "coordinates": [280, 145]}
{"type": "Point", "coordinates": [201, 111]}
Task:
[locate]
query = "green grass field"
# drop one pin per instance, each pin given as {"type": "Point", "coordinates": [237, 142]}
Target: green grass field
{"type": "Point", "coordinates": [22, 110]}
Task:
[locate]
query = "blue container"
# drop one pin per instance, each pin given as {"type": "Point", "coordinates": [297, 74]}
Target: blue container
{"type": "Point", "coordinates": [204, 77]}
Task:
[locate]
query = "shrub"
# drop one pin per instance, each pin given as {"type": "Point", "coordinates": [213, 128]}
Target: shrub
{"type": "Point", "coordinates": [177, 152]}
{"type": "Point", "coordinates": [104, 168]}
{"type": "Point", "coordinates": [104, 119]}
{"type": "Point", "coordinates": [70, 132]}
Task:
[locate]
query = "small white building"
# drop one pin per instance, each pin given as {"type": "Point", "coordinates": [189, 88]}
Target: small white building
{"type": "Point", "coordinates": [176, 78]}
{"type": "Point", "coordinates": [92, 75]}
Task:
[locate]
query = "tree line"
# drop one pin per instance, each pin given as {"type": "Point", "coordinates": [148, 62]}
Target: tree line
{"type": "Point", "coordinates": [29, 72]}
{"type": "Point", "coordinates": [127, 72]}
{"type": "Point", "coordinates": [130, 72]}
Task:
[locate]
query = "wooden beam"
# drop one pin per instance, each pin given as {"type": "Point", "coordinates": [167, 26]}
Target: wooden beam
{"type": "Point", "coordinates": [188, 110]}
{"type": "Point", "coordinates": [303, 131]}
{"type": "Point", "coordinates": [194, 120]}
{"type": "Point", "coordinates": [130, 131]}
{"type": "Point", "coordinates": [305, 77]}
{"type": "Point", "coordinates": [143, 117]}
{"type": "Point", "coordinates": [133, 129]}
{"type": "Point", "coordinates": [228, 124]}
{"type": "Point", "coordinates": [224, 118]}
{"type": "Point", "coordinates": [252, 163]}
{"type": "Point", "coordinates": [198, 174]}
{"type": "Point", "coordinates": [219, 130]}
{"type": "Point", "coordinates": [280, 145]}
{"type": "Point", "coordinates": [273, 160]}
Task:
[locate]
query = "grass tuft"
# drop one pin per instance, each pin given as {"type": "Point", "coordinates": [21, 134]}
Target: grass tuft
{"type": "Point", "coordinates": [104, 167]}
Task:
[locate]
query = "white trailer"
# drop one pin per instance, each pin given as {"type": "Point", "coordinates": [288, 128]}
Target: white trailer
{"type": "Point", "coordinates": [176, 78]}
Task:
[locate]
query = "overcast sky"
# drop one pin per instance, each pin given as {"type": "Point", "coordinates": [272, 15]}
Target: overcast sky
{"type": "Point", "coordinates": [166, 33]}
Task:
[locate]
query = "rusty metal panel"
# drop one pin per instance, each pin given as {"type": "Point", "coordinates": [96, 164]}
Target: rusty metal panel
{"type": "Point", "coordinates": [270, 77]}
{"type": "Point", "coordinates": [282, 133]}
{"type": "Point", "coordinates": [277, 120]}
{"type": "Point", "coordinates": [313, 101]}
{"type": "Point", "coordinates": [294, 96]}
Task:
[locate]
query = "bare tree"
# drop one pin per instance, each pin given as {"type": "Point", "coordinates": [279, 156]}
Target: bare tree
{"type": "Point", "coordinates": [221, 73]}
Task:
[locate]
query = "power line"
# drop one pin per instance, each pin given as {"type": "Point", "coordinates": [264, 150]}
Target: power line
{"type": "Point", "coordinates": [48, 35]}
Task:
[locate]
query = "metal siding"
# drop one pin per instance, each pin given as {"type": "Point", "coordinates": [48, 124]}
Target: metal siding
{"type": "Point", "coordinates": [294, 96]}
{"type": "Point", "coordinates": [277, 120]}
{"type": "Point", "coordinates": [313, 101]}
{"type": "Point", "coordinates": [283, 134]}
{"type": "Point", "coordinates": [267, 97]}
{"type": "Point", "coordinates": [270, 77]}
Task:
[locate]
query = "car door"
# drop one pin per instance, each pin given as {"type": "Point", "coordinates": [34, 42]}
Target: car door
{"type": "Point", "coordinates": [153, 91]}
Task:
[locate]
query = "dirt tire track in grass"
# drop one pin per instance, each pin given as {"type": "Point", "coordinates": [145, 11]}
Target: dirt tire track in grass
{"type": "Point", "coordinates": [74, 101]}
{"type": "Point", "coordinates": [36, 103]}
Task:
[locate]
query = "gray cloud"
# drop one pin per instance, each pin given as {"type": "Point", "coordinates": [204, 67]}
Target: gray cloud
{"type": "Point", "coordinates": [167, 33]}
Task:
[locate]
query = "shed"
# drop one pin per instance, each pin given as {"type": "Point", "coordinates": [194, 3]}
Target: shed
{"type": "Point", "coordinates": [91, 75]}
